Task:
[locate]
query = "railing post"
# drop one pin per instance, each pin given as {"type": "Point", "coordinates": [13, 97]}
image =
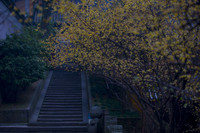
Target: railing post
{"type": "Point", "coordinates": [100, 124]}
{"type": "Point", "coordinates": [96, 124]}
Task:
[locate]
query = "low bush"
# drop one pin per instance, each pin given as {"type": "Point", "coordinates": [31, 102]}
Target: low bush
{"type": "Point", "coordinates": [21, 62]}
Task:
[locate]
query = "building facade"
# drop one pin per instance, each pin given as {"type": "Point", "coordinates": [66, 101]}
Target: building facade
{"type": "Point", "coordinates": [8, 22]}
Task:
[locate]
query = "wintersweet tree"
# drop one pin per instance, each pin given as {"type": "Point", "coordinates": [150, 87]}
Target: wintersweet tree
{"type": "Point", "coordinates": [148, 47]}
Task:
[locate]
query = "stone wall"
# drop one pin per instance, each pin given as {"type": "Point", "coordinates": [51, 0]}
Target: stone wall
{"type": "Point", "coordinates": [14, 116]}
{"type": "Point", "coordinates": [22, 115]}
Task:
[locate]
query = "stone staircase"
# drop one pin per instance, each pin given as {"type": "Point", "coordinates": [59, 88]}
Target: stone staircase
{"type": "Point", "coordinates": [63, 100]}
{"type": "Point", "coordinates": [61, 108]}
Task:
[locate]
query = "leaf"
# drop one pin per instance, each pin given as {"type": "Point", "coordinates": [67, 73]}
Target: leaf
{"type": "Point", "coordinates": [185, 105]}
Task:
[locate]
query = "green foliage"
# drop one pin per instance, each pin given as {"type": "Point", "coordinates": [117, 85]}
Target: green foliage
{"type": "Point", "coordinates": [104, 98]}
{"type": "Point", "coordinates": [21, 62]}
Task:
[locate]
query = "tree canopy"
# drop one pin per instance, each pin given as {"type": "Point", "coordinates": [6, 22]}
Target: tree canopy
{"type": "Point", "coordinates": [148, 47]}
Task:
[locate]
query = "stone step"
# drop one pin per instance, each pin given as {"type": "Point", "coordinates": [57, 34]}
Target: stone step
{"type": "Point", "coordinates": [67, 98]}
{"type": "Point", "coordinates": [63, 112]}
{"type": "Point", "coordinates": [112, 128]}
{"type": "Point", "coordinates": [60, 75]}
{"type": "Point", "coordinates": [68, 91]}
{"type": "Point", "coordinates": [64, 82]}
{"type": "Point", "coordinates": [71, 123]}
{"type": "Point", "coordinates": [72, 108]}
{"type": "Point", "coordinates": [62, 103]}
{"type": "Point", "coordinates": [61, 109]}
{"type": "Point", "coordinates": [56, 87]}
{"type": "Point", "coordinates": [65, 78]}
{"type": "Point", "coordinates": [65, 88]}
{"type": "Point", "coordinates": [60, 115]}
{"type": "Point", "coordinates": [64, 75]}
{"type": "Point", "coordinates": [63, 98]}
{"type": "Point", "coordinates": [110, 120]}
{"type": "Point", "coordinates": [42, 129]}
{"type": "Point", "coordinates": [64, 93]}
{"type": "Point", "coordinates": [61, 85]}
{"type": "Point", "coordinates": [59, 120]}
{"type": "Point", "coordinates": [67, 108]}
{"type": "Point", "coordinates": [63, 117]}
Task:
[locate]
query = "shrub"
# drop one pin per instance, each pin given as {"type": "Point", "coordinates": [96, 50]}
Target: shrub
{"type": "Point", "coordinates": [21, 62]}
